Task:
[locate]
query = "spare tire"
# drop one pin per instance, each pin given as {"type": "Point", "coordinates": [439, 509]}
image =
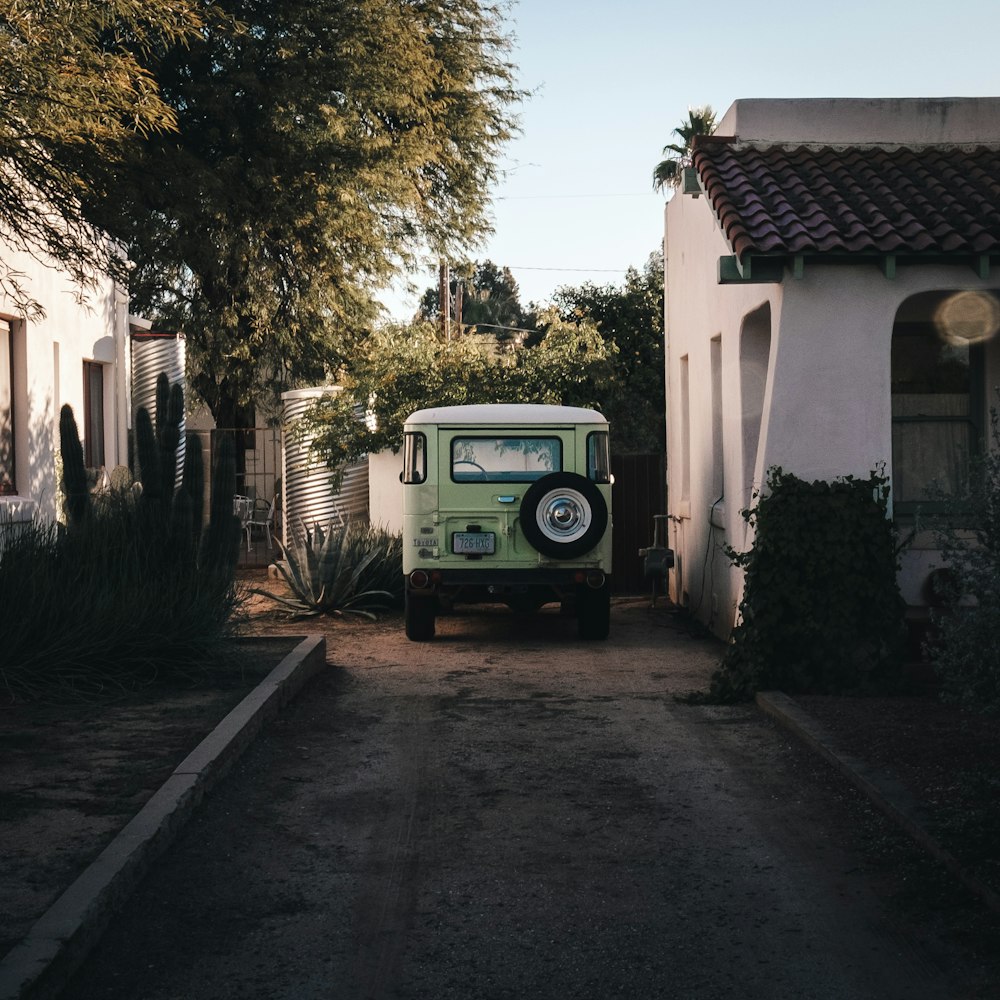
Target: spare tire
{"type": "Point", "coordinates": [563, 515]}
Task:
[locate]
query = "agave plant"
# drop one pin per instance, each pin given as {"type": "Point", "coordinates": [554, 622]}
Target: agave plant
{"type": "Point", "coordinates": [324, 569]}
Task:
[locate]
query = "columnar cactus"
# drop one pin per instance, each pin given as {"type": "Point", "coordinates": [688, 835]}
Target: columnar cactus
{"type": "Point", "coordinates": [74, 471]}
{"type": "Point", "coordinates": [174, 518]}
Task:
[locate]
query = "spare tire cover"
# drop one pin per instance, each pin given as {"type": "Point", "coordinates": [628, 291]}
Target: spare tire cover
{"type": "Point", "coordinates": [563, 515]}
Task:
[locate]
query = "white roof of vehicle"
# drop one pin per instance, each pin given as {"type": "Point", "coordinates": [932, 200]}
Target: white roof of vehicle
{"type": "Point", "coordinates": [506, 413]}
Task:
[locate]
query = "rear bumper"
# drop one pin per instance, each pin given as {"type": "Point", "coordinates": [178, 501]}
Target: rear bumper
{"type": "Point", "coordinates": [472, 586]}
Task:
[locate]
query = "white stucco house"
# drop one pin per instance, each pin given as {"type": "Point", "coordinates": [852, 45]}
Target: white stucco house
{"type": "Point", "coordinates": [77, 353]}
{"type": "Point", "coordinates": [832, 275]}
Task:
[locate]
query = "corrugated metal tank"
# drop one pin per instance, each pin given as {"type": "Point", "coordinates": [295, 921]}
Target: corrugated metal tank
{"type": "Point", "coordinates": [307, 497]}
{"type": "Point", "coordinates": [153, 353]}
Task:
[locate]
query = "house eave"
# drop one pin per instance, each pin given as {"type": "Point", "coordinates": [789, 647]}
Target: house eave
{"type": "Point", "coordinates": [759, 269]}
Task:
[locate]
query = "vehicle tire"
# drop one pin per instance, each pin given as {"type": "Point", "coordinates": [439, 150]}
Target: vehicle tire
{"type": "Point", "coordinates": [418, 614]}
{"type": "Point", "coordinates": [563, 515]}
{"type": "Point", "coordinates": [593, 611]}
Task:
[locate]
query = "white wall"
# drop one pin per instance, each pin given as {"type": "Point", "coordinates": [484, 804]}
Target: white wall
{"type": "Point", "coordinates": [698, 309]}
{"type": "Point", "coordinates": [385, 491]}
{"type": "Point", "coordinates": [905, 120]}
{"type": "Point", "coordinates": [49, 371]}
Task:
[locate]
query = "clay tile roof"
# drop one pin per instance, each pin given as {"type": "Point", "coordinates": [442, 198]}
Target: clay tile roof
{"type": "Point", "coordinates": [843, 200]}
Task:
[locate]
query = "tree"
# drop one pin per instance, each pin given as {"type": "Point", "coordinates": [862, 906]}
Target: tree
{"type": "Point", "coordinates": [667, 173]}
{"type": "Point", "coordinates": [318, 148]}
{"type": "Point", "coordinates": [629, 318]}
{"type": "Point", "coordinates": [405, 368]}
{"type": "Point", "coordinates": [490, 300]}
{"type": "Point", "coordinates": [75, 76]}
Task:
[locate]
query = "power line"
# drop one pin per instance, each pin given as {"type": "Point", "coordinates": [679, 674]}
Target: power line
{"type": "Point", "coordinates": [584, 270]}
{"type": "Point", "coordinates": [537, 197]}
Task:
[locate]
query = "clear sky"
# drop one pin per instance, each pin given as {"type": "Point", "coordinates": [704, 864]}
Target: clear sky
{"type": "Point", "coordinates": [610, 80]}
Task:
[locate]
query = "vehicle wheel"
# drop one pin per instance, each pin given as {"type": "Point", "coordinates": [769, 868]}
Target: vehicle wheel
{"type": "Point", "coordinates": [593, 612]}
{"type": "Point", "coordinates": [418, 614]}
{"type": "Point", "coordinates": [563, 515]}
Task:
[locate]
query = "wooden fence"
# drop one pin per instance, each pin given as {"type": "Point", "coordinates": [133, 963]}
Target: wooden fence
{"type": "Point", "coordinates": [639, 492]}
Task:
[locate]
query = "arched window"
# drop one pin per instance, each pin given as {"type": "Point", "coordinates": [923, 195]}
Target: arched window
{"type": "Point", "coordinates": [938, 400]}
{"type": "Point", "coordinates": [755, 352]}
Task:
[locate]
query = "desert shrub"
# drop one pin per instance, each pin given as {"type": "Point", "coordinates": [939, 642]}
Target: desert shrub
{"type": "Point", "coordinates": [129, 590]}
{"type": "Point", "coordinates": [821, 608]}
{"type": "Point", "coordinates": [964, 650]}
{"type": "Point", "coordinates": [385, 572]}
{"type": "Point", "coordinates": [343, 569]}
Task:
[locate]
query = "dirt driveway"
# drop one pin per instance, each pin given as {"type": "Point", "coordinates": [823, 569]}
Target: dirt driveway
{"type": "Point", "coordinates": [509, 812]}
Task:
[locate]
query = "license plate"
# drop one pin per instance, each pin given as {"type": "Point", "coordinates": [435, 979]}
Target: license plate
{"type": "Point", "coordinates": [479, 543]}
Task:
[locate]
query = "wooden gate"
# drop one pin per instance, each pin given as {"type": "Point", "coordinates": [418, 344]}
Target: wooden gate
{"type": "Point", "coordinates": [639, 492]}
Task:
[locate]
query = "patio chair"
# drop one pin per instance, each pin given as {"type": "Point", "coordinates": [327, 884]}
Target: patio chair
{"type": "Point", "coordinates": [261, 516]}
{"type": "Point", "coordinates": [242, 508]}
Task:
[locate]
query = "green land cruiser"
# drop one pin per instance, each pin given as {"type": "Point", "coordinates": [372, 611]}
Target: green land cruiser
{"type": "Point", "coordinates": [507, 504]}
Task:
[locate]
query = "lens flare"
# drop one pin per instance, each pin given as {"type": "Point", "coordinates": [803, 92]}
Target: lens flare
{"type": "Point", "coordinates": [968, 318]}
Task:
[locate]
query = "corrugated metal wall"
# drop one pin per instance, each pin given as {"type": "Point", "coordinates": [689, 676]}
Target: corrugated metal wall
{"type": "Point", "coordinates": [308, 497]}
{"type": "Point", "coordinates": [153, 353]}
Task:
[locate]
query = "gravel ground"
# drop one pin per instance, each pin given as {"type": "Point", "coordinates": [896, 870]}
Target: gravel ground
{"type": "Point", "coordinates": [71, 777]}
{"type": "Point", "coordinates": [508, 812]}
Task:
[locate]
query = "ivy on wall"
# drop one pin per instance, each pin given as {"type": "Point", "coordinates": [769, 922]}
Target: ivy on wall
{"type": "Point", "coordinates": [821, 608]}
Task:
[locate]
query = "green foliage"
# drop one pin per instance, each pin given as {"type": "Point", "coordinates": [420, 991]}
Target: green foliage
{"type": "Point", "coordinates": [629, 317]}
{"type": "Point", "coordinates": [73, 77]}
{"type": "Point", "coordinates": [320, 145]}
{"type": "Point", "coordinates": [129, 590]}
{"type": "Point", "coordinates": [342, 570]}
{"type": "Point", "coordinates": [626, 384]}
{"type": "Point", "coordinates": [821, 608]}
{"type": "Point", "coordinates": [965, 651]}
{"type": "Point", "coordinates": [667, 173]}
{"type": "Point", "coordinates": [491, 302]}
{"type": "Point", "coordinates": [402, 369]}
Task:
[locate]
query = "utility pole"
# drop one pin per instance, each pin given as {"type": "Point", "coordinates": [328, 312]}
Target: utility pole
{"type": "Point", "coordinates": [444, 299]}
{"type": "Point", "coordinates": [459, 287]}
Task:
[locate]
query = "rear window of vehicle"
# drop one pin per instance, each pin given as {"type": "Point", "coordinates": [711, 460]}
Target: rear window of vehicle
{"type": "Point", "coordinates": [504, 459]}
{"type": "Point", "coordinates": [598, 459]}
{"type": "Point", "coordinates": [414, 458]}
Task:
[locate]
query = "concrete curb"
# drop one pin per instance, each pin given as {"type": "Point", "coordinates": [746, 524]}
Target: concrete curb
{"type": "Point", "coordinates": [58, 943]}
{"type": "Point", "coordinates": [885, 793]}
